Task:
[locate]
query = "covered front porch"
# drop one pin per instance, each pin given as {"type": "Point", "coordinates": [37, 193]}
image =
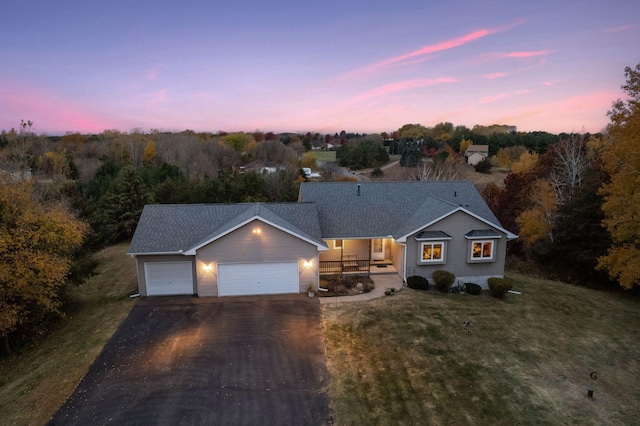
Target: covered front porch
{"type": "Point", "coordinates": [359, 257]}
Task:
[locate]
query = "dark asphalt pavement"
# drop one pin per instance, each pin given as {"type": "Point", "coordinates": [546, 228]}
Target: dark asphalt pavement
{"type": "Point", "coordinates": [213, 361]}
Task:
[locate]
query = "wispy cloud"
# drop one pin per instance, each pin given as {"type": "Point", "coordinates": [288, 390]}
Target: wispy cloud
{"type": "Point", "coordinates": [495, 75]}
{"type": "Point", "coordinates": [618, 29]}
{"type": "Point", "coordinates": [489, 99]}
{"type": "Point", "coordinates": [528, 54]}
{"type": "Point", "coordinates": [153, 73]}
{"type": "Point", "coordinates": [426, 52]}
{"type": "Point", "coordinates": [400, 86]}
{"type": "Point", "coordinates": [156, 98]}
{"type": "Point", "coordinates": [433, 48]}
{"type": "Point", "coordinates": [516, 55]}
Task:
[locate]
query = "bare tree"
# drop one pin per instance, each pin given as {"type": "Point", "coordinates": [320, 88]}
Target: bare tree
{"type": "Point", "coordinates": [436, 170]}
{"type": "Point", "coordinates": [570, 160]}
{"type": "Point", "coordinates": [136, 142]}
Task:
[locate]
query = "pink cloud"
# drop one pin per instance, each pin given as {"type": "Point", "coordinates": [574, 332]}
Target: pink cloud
{"type": "Point", "coordinates": [423, 53]}
{"type": "Point", "coordinates": [438, 47]}
{"type": "Point", "coordinates": [573, 113]}
{"type": "Point", "coordinates": [153, 73]}
{"type": "Point", "coordinates": [523, 91]}
{"type": "Point", "coordinates": [49, 112]}
{"type": "Point", "coordinates": [515, 55]}
{"type": "Point", "coordinates": [528, 54]}
{"type": "Point", "coordinates": [489, 99]}
{"type": "Point", "coordinates": [618, 29]}
{"type": "Point", "coordinates": [399, 86]}
{"type": "Point", "coordinates": [495, 75]}
{"type": "Point", "coordinates": [157, 97]}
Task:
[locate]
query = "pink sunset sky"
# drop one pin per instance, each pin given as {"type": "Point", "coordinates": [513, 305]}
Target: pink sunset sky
{"type": "Point", "coordinates": [287, 66]}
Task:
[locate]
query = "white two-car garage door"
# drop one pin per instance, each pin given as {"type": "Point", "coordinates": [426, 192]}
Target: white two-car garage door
{"type": "Point", "coordinates": [243, 279]}
{"type": "Point", "coordinates": [168, 278]}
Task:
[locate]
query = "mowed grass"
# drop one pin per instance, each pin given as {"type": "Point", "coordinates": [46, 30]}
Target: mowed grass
{"type": "Point", "coordinates": [327, 156]}
{"type": "Point", "coordinates": [407, 359]}
{"type": "Point", "coordinates": [35, 383]}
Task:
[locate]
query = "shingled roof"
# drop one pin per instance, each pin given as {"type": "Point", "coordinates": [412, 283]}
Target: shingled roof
{"type": "Point", "coordinates": [183, 228]}
{"type": "Point", "coordinates": [396, 209]}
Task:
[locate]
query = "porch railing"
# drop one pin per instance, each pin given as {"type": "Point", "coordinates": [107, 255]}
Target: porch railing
{"type": "Point", "coordinates": [344, 266]}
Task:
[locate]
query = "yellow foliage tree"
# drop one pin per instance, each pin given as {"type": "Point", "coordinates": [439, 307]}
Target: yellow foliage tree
{"type": "Point", "coordinates": [525, 163]}
{"type": "Point", "coordinates": [150, 153]}
{"type": "Point", "coordinates": [308, 160]}
{"type": "Point", "coordinates": [506, 156]}
{"type": "Point", "coordinates": [621, 157]}
{"type": "Point", "coordinates": [536, 223]}
{"type": "Point", "coordinates": [464, 145]}
{"type": "Point", "coordinates": [36, 242]}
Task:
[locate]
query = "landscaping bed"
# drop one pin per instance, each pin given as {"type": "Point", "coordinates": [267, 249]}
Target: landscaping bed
{"type": "Point", "coordinates": [349, 285]}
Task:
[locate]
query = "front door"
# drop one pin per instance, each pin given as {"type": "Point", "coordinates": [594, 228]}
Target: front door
{"type": "Point", "coordinates": [377, 249]}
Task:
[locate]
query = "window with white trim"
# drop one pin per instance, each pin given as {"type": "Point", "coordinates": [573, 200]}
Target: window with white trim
{"type": "Point", "coordinates": [432, 252]}
{"type": "Point", "coordinates": [482, 249]}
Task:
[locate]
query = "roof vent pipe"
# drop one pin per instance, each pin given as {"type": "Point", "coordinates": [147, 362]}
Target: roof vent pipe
{"type": "Point", "coordinates": [358, 190]}
{"type": "Point", "coordinates": [455, 193]}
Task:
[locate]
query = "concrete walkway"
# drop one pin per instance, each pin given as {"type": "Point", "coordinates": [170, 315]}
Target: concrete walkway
{"type": "Point", "coordinates": [382, 282]}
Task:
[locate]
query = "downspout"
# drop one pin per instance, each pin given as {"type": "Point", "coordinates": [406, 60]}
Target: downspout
{"type": "Point", "coordinates": [404, 263]}
{"type": "Point", "coordinates": [342, 257]}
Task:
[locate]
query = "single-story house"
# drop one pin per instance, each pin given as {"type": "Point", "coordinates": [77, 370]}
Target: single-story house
{"type": "Point", "coordinates": [408, 228]}
{"type": "Point", "coordinates": [476, 153]}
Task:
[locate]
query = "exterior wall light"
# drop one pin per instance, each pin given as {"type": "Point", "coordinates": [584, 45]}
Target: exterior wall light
{"type": "Point", "coordinates": [207, 267]}
{"type": "Point", "coordinates": [256, 231]}
{"type": "Point", "coordinates": [307, 264]}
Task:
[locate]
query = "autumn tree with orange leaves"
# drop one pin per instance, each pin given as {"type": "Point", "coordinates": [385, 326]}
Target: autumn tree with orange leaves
{"type": "Point", "coordinates": [36, 245]}
{"type": "Point", "coordinates": [621, 157]}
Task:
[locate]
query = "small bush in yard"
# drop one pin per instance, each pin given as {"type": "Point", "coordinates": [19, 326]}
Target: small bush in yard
{"type": "Point", "coordinates": [417, 282]}
{"type": "Point", "coordinates": [473, 288]}
{"type": "Point", "coordinates": [340, 289]}
{"type": "Point", "coordinates": [443, 280]}
{"type": "Point", "coordinates": [498, 287]}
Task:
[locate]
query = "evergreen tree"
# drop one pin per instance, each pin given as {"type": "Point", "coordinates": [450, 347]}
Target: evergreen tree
{"type": "Point", "coordinates": [119, 209]}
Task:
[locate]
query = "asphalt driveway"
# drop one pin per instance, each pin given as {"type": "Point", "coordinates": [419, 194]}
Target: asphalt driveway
{"type": "Point", "coordinates": [235, 360]}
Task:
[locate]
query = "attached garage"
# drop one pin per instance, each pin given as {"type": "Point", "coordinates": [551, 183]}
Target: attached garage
{"type": "Point", "coordinates": [168, 278]}
{"type": "Point", "coordinates": [243, 279]}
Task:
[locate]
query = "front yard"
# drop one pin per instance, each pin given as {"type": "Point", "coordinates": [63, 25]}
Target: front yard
{"type": "Point", "coordinates": [34, 384]}
{"type": "Point", "coordinates": [405, 359]}
{"type": "Point", "coordinates": [408, 359]}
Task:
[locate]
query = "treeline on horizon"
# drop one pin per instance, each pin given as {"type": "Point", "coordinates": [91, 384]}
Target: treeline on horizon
{"type": "Point", "coordinates": [90, 190]}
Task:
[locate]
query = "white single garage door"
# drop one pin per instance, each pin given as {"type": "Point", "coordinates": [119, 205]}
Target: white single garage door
{"type": "Point", "coordinates": [243, 279]}
{"type": "Point", "coordinates": [168, 278]}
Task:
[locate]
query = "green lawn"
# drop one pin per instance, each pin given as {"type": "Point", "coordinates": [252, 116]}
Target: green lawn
{"type": "Point", "coordinates": [403, 359]}
{"type": "Point", "coordinates": [329, 156]}
{"type": "Point", "coordinates": [34, 384]}
{"type": "Point", "coordinates": [407, 359]}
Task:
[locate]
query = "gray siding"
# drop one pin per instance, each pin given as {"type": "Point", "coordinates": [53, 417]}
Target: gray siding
{"type": "Point", "coordinates": [458, 252]}
{"type": "Point", "coordinates": [142, 259]}
{"type": "Point", "coordinates": [245, 246]}
{"type": "Point", "coordinates": [351, 249]}
{"type": "Point", "coordinates": [397, 256]}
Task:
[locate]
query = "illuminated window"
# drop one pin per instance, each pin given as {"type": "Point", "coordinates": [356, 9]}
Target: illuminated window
{"type": "Point", "coordinates": [432, 251]}
{"type": "Point", "coordinates": [482, 250]}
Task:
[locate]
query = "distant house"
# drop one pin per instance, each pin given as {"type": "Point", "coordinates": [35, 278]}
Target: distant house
{"type": "Point", "coordinates": [16, 174]}
{"type": "Point", "coordinates": [404, 228]}
{"type": "Point", "coordinates": [477, 153]}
